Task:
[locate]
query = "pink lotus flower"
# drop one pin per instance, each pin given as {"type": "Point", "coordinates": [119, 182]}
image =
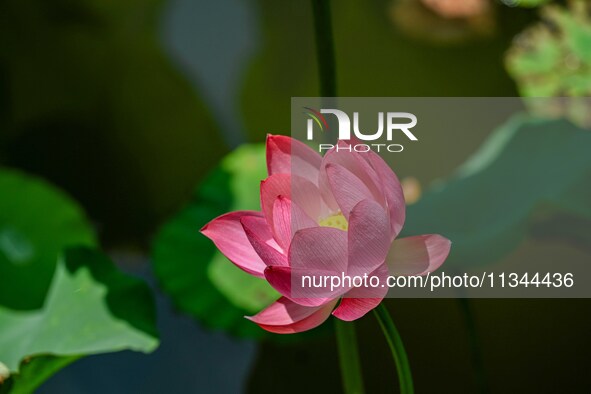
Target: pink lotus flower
{"type": "Point", "coordinates": [323, 216]}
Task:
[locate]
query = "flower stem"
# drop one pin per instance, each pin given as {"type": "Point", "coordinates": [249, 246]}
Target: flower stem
{"type": "Point", "coordinates": [325, 48]}
{"type": "Point", "coordinates": [397, 348]}
{"type": "Point", "coordinates": [349, 357]}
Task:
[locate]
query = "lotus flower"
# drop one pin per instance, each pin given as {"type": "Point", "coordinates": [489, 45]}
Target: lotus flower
{"type": "Point", "coordinates": [322, 216]}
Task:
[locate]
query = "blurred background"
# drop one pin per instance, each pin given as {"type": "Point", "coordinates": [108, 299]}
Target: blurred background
{"type": "Point", "coordinates": [127, 125]}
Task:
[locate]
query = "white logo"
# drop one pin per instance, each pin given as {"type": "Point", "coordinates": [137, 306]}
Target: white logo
{"type": "Point", "coordinates": [395, 122]}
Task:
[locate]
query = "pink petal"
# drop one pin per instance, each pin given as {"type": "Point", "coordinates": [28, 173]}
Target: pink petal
{"type": "Point", "coordinates": [271, 188]}
{"type": "Point", "coordinates": [297, 284]}
{"type": "Point", "coordinates": [392, 190]}
{"type": "Point", "coordinates": [286, 155]}
{"type": "Point", "coordinates": [353, 308]}
{"type": "Point", "coordinates": [368, 237]}
{"type": "Point", "coordinates": [358, 301]}
{"type": "Point", "coordinates": [287, 317]}
{"type": "Point", "coordinates": [315, 252]}
{"type": "Point", "coordinates": [358, 164]}
{"type": "Point", "coordinates": [288, 218]}
{"type": "Point", "coordinates": [328, 199]}
{"type": "Point", "coordinates": [300, 190]}
{"type": "Point", "coordinates": [228, 235]}
{"type": "Point", "coordinates": [319, 248]}
{"type": "Point", "coordinates": [347, 189]}
{"type": "Point", "coordinates": [355, 162]}
{"type": "Point", "coordinates": [417, 255]}
{"type": "Point", "coordinates": [260, 237]}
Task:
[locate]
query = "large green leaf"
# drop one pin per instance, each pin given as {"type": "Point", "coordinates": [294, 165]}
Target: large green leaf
{"type": "Point", "coordinates": [527, 170]}
{"type": "Point", "coordinates": [36, 222]}
{"type": "Point", "coordinates": [91, 308]}
{"type": "Point", "coordinates": [95, 105]}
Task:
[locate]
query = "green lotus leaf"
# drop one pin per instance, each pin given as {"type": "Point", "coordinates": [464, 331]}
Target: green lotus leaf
{"type": "Point", "coordinates": [552, 57]}
{"type": "Point", "coordinates": [91, 308]}
{"type": "Point", "coordinates": [528, 170]}
{"type": "Point", "coordinates": [36, 222]}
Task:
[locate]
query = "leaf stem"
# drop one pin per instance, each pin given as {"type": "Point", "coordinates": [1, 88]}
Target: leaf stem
{"type": "Point", "coordinates": [396, 346]}
{"type": "Point", "coordinates": [474, 341]}
{"type": "Point", "coordinates": [349, 357]}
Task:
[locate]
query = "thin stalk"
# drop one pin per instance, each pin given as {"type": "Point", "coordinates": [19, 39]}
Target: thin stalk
{"type": "Point", "coordinates": [325, 56]}
{"type": "Point", "coordinates": [397, 347]}
{"type": "Point", "coordinates": [474, 341]}
{"type": "Point", "coordinates": [349, 357]}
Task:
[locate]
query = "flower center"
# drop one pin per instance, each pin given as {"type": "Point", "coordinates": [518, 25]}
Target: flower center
{"type": "Point", "coordinates": [337, 221]}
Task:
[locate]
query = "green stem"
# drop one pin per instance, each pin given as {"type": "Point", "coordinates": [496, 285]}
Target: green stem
{"type": "Point", "coordinates": [397, 348]}
{"type": "Point", "coordinates": [349, 357]}
{"type": "Point", "coordinates": [474, 341]}
{"type": "Point", "coordinates": [325, 56]}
